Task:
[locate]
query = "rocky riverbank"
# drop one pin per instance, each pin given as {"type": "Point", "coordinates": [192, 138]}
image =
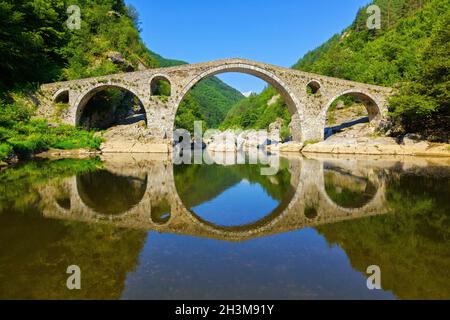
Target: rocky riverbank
{"type": "Point", "coordinates": [357, 140]}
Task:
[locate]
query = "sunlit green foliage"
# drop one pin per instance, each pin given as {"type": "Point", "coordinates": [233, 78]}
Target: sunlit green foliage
{"type": "Point", "coordinates": [189, 112]}
{"type": "Point", "coordinates": [107, 27]}
{"type": "Point", "coordinates": [27, 178]}
{"type": "Point", "coordinates": [425, 99]}
{"type": "Point", "coordinates": [410, 50]}
{"type": "Point", "coordinates": [23, 135]}
{"type": "Point", "coordinates": [258, 112]}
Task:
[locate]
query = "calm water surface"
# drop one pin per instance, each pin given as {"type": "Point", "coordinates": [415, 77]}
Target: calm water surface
{"type": "Point", "coordinates": [142, 228]}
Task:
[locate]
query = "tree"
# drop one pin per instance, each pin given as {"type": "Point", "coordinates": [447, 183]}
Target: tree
{"type": "Point", "coordinates": [427, 95]}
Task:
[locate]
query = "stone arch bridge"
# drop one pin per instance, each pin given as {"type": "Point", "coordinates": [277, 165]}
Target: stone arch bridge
{"type": "Point", "coordinates": [307, 107]}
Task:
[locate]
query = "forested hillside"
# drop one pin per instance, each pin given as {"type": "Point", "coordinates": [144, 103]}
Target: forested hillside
{"type": "Point", "coordinates": [409, 52]}
{"type": "Point", "coordinates": [37, 46]}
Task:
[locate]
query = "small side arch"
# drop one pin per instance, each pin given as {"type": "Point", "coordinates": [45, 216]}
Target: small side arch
{"type": "Point", "coordinates": [373, 106]}
{"type": "Point", "coordinates": [160, 85]}
{"type": "Point", "coordinates": [61, 96]}
{"type": "Point", "coordinates": [313, 87]}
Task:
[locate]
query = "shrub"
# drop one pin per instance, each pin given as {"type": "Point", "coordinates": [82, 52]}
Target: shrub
{"type": "Point", "coordinates": [5, 151]}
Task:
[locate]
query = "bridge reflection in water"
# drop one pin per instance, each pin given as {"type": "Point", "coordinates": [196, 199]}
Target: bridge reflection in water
{"type": "Point", "coordinates": [392, 212]}
{"type": "Point", "coordinates": [152, 194]}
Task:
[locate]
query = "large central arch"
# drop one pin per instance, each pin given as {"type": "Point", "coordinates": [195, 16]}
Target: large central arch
{"type": "Point", "coordinates": [283, 89]}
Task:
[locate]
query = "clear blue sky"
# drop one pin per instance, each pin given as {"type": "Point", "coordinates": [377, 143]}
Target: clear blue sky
{"type": "Point", "coordinates": [272, 31]}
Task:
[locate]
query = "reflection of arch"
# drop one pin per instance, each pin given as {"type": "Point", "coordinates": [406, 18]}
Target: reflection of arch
{"type": "Point", "coordinates": [161, 212]}
{"type": "Point", "coordinates": [374, 179]}
{"type": "Point", "coordinates": [61, 96]}
{"type": "Point", "coordinates": [373, 107]}
{"type": "Point", "coordinates": [284, 90]}
{"type": "Point", "coordinates": [84, 98]}
{"type": "Point", "coordinates": [110, 194]}
{"type": "Point", "coordinates": [155, 83]}
{"type": "Point", "coordinates": [314, 86]}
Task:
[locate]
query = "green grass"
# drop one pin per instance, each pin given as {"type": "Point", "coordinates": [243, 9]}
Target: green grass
{"type": "Point", "coordinates": [22, 136]}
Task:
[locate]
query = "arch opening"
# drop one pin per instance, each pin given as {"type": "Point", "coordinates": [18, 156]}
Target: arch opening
{"type": "Point", "coordinates": [160, 86]}
{"type": "Point", "coordinates": [351, 113]}
{"type": "Point", "coordinates": [310, 213]}
{"type": "Point", "coordinates": [276, 101]}
{"type": "Point", "coordinates": [62, 97]}
{"type": "Point", "coordinates": [160, 212]}
{"type": "Point", "coordinates": [313, 87]}
{"type": "Point", "coordinates": [108, 105]}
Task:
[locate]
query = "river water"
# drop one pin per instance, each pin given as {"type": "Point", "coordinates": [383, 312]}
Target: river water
{"type": "Point", "coordinates": [140, 227]}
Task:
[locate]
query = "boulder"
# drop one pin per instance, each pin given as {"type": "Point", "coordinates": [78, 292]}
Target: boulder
{"type": "Point", "coordinates": [291, 146]}
{"type": "Point", "coordinates": [256, 139]}
{"type": "Point", "coordinates": [222, 142]}
{"type": "Point", "coordinates": [275, 130]}
{"type": "Point", "coordinates": [273, 100]}
{"type": "Point", "coordinates": [131, 138]}
{"type": "Point", "coordinates": [411, 139]}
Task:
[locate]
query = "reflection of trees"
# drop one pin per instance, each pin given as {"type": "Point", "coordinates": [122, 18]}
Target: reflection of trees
{"type": "Point", "coordinates": [35, 252]}
{"type": "Point", "coordinates": [411, 245]}
{"type": "Point", "coordinates": [109, 193]}
{"type": "Point", "coordinates": [19, 185]}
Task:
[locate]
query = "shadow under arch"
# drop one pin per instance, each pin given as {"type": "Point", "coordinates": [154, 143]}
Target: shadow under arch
{"type": "Point", "coordinates": [293, 103]}
{"type": "Point", "coordinates": [372, 105]}
{"type": "Point", "coordinates": [61, 96]}
{"type": "Point", "coordinates": [86, 96]}
{"type": "Point", "coordinates": [109, 194]}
